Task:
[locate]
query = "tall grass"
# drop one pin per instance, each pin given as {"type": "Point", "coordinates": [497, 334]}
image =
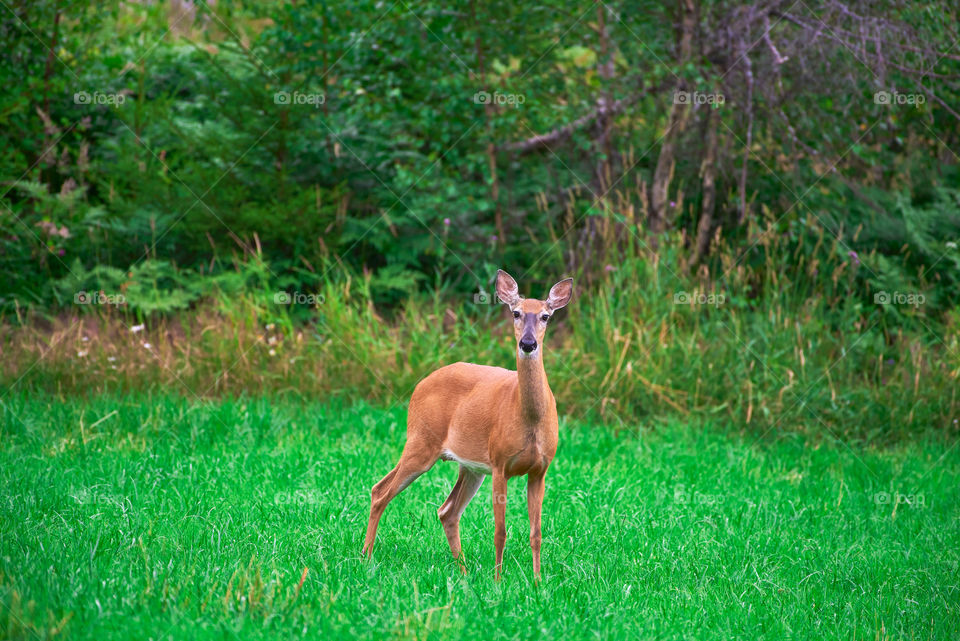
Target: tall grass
{"type": "Point", "coordinates": [774, 341]}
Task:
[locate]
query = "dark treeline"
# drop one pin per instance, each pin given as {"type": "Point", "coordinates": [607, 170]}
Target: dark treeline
{"type": "Point", "coordinates": [150, 145]}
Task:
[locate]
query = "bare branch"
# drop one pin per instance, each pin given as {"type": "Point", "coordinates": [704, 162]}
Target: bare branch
{"type": "Point", "coordinates": [777, 58]}
{"type": "Point", "coordinates": [548, 139]}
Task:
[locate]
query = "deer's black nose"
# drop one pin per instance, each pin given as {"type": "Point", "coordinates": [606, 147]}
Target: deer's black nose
{"type": "Point", "coordinates": [528, 345]}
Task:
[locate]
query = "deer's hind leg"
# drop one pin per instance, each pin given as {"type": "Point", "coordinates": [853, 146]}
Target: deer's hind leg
{"type": "Point", "coordinates": [414, 461]}
{"type": "Point", "coordinates": [452, 509]}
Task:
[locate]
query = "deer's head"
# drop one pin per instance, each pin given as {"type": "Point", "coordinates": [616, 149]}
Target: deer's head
{"type": "Point", "coordinates": [530, 316]}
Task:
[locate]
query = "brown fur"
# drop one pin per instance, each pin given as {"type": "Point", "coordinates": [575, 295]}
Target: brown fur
{"type": "Point", "coordinates": [492, 420]}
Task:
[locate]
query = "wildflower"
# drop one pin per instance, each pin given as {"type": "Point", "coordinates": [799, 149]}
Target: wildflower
{"type": "Point", "coordinates": [673, 203]}
{"type": "Point", "coordinates": [610, 268]}
{"type": "Point", "coordinates": [147, 345]}
{"type": "Point", "coordinates": [951, 245]}
{"type": "Point", "coordinates": [270, 327]}
{"type": "Point", "coordinates": [52, 229]}
{"type": "Point", "coordinates": [138, 328]}
{"type": "Point", "coordinates": [111, 359]}
{"type": "Point", "coordinates": [81, 353]}
{"type": "Point", "coordinates": [273, 352]}
{"type": "Point", "coordinates": [446, 221]}
{"type": "Point", "coordinates": [85, 339]}
{"type": "Point", "coordinates": [853, 255]}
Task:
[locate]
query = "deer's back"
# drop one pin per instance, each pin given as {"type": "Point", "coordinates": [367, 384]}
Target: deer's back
{"type": "Point", "coordinates": [464, 395]}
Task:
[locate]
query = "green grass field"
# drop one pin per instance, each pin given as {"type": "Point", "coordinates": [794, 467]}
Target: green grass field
{"type": "Point", "coordinates": [156, 517]}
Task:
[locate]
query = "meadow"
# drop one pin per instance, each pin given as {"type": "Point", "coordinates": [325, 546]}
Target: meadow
{"type": "Point", "coordinates": [153, 516]}
{"type": "Point", "coordinates": [235, 235]}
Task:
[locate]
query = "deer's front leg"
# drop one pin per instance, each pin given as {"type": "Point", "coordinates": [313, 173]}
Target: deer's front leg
{"type": "Point", "coordinates": [499, 516]}
{"type": "Point", "coordinates": [535, 488]}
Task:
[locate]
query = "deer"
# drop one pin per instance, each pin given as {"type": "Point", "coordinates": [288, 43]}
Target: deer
{"type": "Point", "coordinates": [489, 420]}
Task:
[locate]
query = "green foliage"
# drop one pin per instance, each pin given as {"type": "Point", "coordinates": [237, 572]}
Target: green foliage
{"type": "Point", "coordinates": [379, 158]}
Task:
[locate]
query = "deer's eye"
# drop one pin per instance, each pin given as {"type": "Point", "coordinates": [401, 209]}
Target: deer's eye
{"type": "Point", "coordinates": [516, 314]}
{"type": "Point", "coordinates": [545, 318]}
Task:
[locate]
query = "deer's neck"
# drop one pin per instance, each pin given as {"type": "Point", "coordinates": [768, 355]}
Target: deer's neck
{"type": "Point", "coordinates": [533, 388]}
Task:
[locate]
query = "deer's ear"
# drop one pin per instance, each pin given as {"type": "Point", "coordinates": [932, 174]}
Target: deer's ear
{"type": "Point", "coordinates": [507, 288]}
{"type": "Point", "coordinates": [560, 294]}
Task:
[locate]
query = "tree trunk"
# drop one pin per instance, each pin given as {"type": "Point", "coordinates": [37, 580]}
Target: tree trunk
{"type": "Point", "coordinates": [679, 111]}
{"type": "Point", "coordinates": [708, 173]}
